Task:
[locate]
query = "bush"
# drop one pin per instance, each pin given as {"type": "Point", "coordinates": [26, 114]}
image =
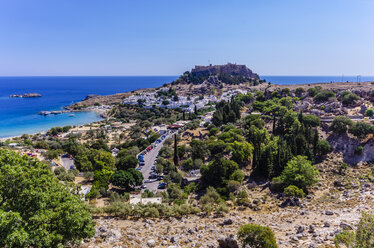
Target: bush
{"type": "Point", "coordinates": [222, 208]}
{"type": "Point", "coordinates": [277, 184]}
{"type": "Point", "coordinates": [190, 188]}
{"type": "Point", "coordinates": [349, 97]}
{"type": "Point", "coordinates": [238, 176]}
{"type": "Point", "coordinates": [299, 91]}
{"type": "Point", "coordinates": [253, 235]}
{"type": "Point", "coordinates": [340, 124]}
{"type": "Point", "coordinates": [299, 172]}
{"type": "Point", "coordinates": [211, 197]}
{"type": "Point", "coordinates": [51, 154]}
{"type": "Point", "coordinates": [312, 92]}
{"type": "Point", "coordinates": [361, 129]}
{"type": "Point", "coordinates": [323, 96]}
{"type": "Point", "coordinates": [323, 147]}
{"type": "Point", "coordinates": [115, 197]}
{"type": "Point", "coordinates": [59, 170]}
{"type": "Point", "coordinates": [369, 112]}
{"type": "Point", "coordinates": [292, 190]}
{"type": "Point", "coordinates": [242, 198]}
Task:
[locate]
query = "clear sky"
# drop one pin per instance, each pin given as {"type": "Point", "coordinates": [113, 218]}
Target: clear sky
{"type": "Point", "coordinates": [168, 37]}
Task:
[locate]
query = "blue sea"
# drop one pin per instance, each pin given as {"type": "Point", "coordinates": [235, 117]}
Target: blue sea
{"type": "Point", "coordinates": [19, 115]}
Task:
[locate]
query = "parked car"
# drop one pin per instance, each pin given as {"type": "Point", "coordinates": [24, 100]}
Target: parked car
{"type": "Point", "coordinates": [162, 186]}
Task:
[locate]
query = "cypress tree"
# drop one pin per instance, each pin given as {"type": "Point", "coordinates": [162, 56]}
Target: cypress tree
{"type": "Point", "coordinates": [176, 159]}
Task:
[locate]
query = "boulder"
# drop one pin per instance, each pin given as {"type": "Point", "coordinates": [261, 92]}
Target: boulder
{"type": "Point", "coordinates": [227, 242]}
{"type": "Point", "coordinates": [151, 243]}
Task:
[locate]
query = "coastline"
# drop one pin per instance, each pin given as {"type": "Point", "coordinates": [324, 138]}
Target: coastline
{"type": "Point", "coordinates": [86, 117]}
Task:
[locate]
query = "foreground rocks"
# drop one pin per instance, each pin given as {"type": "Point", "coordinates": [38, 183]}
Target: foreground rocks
{"type": "Point", "coordinates": [334, 205]}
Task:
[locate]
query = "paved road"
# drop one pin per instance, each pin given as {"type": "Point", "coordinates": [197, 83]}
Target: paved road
{"type": "Point", "coordinates": [149, 161]}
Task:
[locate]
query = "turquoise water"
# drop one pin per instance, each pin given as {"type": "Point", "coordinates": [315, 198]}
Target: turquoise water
{"type": "Point", "coordinates": [19, 115]}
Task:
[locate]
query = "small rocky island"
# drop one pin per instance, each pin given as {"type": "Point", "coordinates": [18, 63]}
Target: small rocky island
{"type": "Point", "coordinates": [26, 95]}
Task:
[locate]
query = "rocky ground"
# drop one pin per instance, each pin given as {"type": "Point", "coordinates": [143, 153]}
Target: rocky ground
{"type": "Point", "coordinates": [335, 203]}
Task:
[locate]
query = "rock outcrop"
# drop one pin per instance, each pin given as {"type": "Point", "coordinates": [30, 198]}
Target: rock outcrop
{"type": "Point", "coordinates": [232, 69]}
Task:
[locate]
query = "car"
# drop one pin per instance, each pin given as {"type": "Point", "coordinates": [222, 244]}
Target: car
{"type": "Point", "coordinates": [152, 176]}
{"type": "Point", "coordinates": [161, 186]}
{"type": "Point", "coordinates": [139, 168]}
{"type": "Point", "coordinates": [141, 164]}
{"type": "Point", "coordinates": [143, 186]}
{"type": "Point", "coordinates": [148, 181]}
{"type": "Point", "coordinates": [159, 178]}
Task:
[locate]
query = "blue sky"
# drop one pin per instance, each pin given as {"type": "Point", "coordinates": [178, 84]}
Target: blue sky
{"type": "Point", "coordinates": [168, 37]}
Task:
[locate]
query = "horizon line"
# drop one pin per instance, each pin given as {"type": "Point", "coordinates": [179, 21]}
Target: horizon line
{"type": "Point", "coordinates": [284, 75]}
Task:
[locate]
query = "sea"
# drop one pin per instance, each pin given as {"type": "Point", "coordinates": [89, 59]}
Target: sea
{"type": "Point", "coordinates": [20, 115]}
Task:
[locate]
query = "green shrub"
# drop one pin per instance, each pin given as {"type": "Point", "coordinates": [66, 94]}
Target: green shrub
{"type": "Point", "coordinates": [277, 184]}
{"type": "Point", "coordinates": [312, 92]}
{"type": "Point", "coordinates": [238, 176]}
{"type": "Point", "coordinates": [349, 97]}
{"type": "Point", "coordinates": [361, 129]}
{"type": "Point", "coordinates": [369, 112]}
{"type": "Point", "coordinates": [222, 208]}
{"type": "Point", "coordinates": [323, 96]}
{"type": "Point", "coordinates": [190, 188]}
{"type": "Point", "coordinates": [340, 124]}
{"type": "Point", "coordinates": [299, 172]}
{"type": "Point", "coordinates": [292, 190]}
{"type": "Point", "coordinates": [242, 198]}
{"type": "Point", "coordinates": [323, 147]}
{"type": "Point", "coordinates": [253, 235]}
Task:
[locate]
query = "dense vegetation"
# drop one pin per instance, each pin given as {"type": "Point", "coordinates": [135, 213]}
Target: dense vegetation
{"type": "Point", "coordinates": [36, 210]}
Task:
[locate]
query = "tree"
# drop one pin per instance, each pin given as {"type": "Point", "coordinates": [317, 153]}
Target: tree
{"type": "Point", "coordinates": [253, 235]}
{"type": "Point", "coordinates": [299, 172]}
{"type": "Point", "coordinates": [127, 179]}
{"type": "Point", "coordinates": [197, 149]}
{"type": "Point", "coordinates": [37, 210]}
{"type": "Point", "coordinates": [241, 152]}
{"type": "Point", "coordinates": [217, 173]}
{"type": "Point", "coordinates": [126, 162]}
{"type": "Point", "coordinates": [176, 158]}
{"type": "Point", "coordinates": [311, 120]}
{"type": "Point", "coordinates": [102, 160]}
{"type": "Point", "coordinates": [340, 124]}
